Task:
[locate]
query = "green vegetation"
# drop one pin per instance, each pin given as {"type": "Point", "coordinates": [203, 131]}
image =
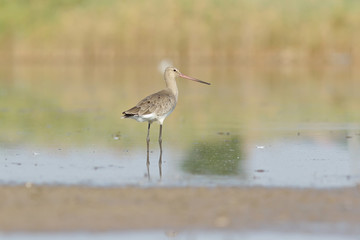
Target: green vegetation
{"type": "Point", "coordinates": [205, 30]}
{"type": "Point", "coordinates": [78, 106]}
{"type": "Point", "coordinates": [215, 158]}
{"type": "Point", "coordinates": [81, 84]}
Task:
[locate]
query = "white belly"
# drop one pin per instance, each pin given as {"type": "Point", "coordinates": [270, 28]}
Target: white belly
{"type": "Point", "coordinates": [152, 117]}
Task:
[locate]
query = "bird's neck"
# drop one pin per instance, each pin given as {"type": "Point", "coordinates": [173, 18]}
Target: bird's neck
{"type": "Point", "coordinates": [171, 84]}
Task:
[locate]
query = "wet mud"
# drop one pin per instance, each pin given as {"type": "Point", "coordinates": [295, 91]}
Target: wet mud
{"type": "Point", "coordinates": [70, 208]}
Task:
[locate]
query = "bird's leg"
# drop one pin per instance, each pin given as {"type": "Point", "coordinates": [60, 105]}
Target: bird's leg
{"type": "Point", "coordinates": [160, 162]}
{"type": "Point", "coordinates": [160, 139]}
{"type": "Point", "coordinates": [160, 157]}
{"type": "Point", "coordinates": [147, 144]}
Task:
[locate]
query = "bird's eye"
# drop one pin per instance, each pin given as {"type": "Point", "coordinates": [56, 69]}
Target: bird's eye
{"type": "Point", "coordinates": [174, 70]}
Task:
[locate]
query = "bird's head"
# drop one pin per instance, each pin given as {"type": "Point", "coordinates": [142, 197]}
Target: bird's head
{"type": "Point", "coordinates": [172, 73]}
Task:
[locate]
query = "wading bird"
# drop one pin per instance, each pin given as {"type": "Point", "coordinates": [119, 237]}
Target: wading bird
{"type": "Point", "coordinates": [157, 106]}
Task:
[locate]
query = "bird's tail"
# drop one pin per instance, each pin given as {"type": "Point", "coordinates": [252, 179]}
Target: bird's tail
{"type": "Point", "coordinates": [126, 115]}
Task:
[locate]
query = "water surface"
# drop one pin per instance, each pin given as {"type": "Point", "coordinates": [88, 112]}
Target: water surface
{"type": "Point", "coordinates": [61, 125]}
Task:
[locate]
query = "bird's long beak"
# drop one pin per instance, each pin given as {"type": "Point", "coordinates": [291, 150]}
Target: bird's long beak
{"type": "Point", "coordinates": [193, 79]}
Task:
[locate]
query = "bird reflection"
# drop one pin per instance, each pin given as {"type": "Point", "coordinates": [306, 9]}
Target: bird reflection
{"type": "Point", "coordinates": [159, 164]}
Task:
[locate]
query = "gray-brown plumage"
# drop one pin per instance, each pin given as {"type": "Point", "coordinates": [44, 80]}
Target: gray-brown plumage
{"type": "Point", "coordinates": [157, 106]}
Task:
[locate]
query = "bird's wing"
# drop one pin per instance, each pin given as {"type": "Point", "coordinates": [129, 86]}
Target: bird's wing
{"type": "Point", "coordinates": [159, 103]}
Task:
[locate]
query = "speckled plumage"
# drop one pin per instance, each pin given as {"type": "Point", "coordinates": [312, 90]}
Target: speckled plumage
{"type": "Point", "coordinates": [156, 105]}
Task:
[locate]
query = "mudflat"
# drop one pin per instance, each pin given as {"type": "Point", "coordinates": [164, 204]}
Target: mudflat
{"type": "Point", "coordinates": [68, 208]}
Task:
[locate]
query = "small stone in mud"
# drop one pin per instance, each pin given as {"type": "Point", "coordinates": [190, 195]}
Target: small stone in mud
{"type": "Point", "coordinates": [116, 136]}
{"type": "Point", "coordinates": [348, 136]}
{"type": "Point", "coordinates": [171, 234]}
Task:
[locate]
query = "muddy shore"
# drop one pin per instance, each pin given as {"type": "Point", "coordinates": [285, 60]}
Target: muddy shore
{"type": "Point", "coordinates": [68, 208]}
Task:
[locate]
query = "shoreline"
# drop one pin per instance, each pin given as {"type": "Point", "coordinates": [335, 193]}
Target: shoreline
{"type": "Point", "coordinates": [74, 208]}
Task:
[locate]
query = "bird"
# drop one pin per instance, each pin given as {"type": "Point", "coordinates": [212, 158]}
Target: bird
{"type": "Point", "coordinates": [156, 107]}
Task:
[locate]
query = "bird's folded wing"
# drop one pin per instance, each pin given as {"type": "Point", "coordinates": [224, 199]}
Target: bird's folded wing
{"type": "Point", "coordinates": [159, 103]}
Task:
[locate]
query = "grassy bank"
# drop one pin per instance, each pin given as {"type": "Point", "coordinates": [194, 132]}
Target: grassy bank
{"type": "Point", "coordinates": [55, 104]}
{"type": "Point", "coordinates": [243, 31]}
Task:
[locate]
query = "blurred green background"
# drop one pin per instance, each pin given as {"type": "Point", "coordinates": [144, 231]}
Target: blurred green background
{"type": "Point", "coordinates": [69, 68]}
{"type": "Point", "coordinates": [90, 31]}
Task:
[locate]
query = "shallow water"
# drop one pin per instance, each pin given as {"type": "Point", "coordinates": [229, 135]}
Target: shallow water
{"type": "Point", "coordinates": [61, 125]}
{"type": "Point", "coordinates": [195, 235]}
{"type": "Point", "coordinates": [301, 158]}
